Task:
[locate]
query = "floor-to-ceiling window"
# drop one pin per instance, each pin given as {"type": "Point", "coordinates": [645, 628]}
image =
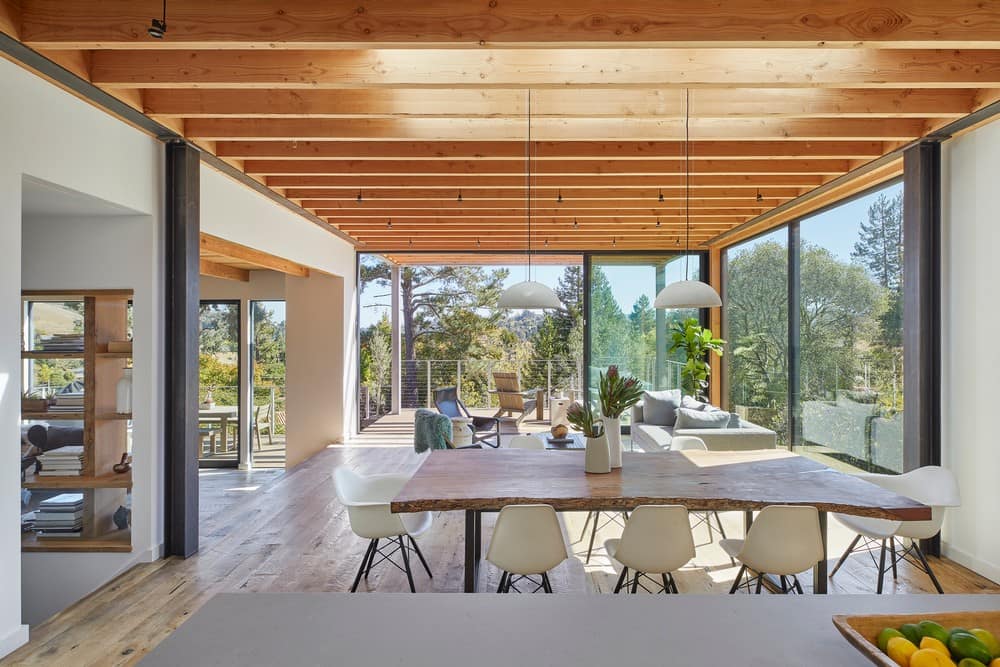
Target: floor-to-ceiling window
{"type": "Point", "coordinates": [755, 327]}
{"type": "Point", "coordinates": [267, 384]}
{"type": "Point", "coordinates": [625, 329]}
{"type": "Point", "coordinates": [219, 418]}
{"type": "Point", "coordinates": [851, 340]}
{"type": "Point", "coordinates": [827, 376]}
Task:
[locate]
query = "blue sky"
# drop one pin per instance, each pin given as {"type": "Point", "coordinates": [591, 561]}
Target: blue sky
{"type": "Point", "coordinates": [836, 230]}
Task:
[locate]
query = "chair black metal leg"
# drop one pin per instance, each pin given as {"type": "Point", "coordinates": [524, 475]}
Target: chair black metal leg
{"type": "Point", "coordinates": [798, 586]}
{"type": "Point", "coordinates": [881, 568]}
{"type": "Point", "coordinates": [927, 567]}
{"type": "Point", "coordinates": [892, 554]}
{"type": "Point", "coordinates": [371, 560]}
{"type": "Point", "coordinates": [621, 579]}
{"type": "Point", "coordinates": [364, 565]}
{"type": "Point", "coordinates": [593, 534]}
{"type": "Point", "coordinates": [722, 531]}
{"type": "Point", "coordinates": [666, 583]}
{"type": "Point", "coordinates": [546, 586]}
{"type": "Point", "coordinates": [420, 556]}
{"type": "Point", "coordinates": [760, 582]}
{"type": "Point", "coordinates": [586, 523]}
{"type": "Point", "coordinates": [503, 582]}
{"type": "Point", "coordinates": [847, 553]}
{"type": "Point", "coordinates": [635, 582]}
{"type": "Point", "coordinates": [406, 564]}
{"type": "Point", "coordinates": [739, 578]}
{"type": "Point", "coordinates": [784, 584]}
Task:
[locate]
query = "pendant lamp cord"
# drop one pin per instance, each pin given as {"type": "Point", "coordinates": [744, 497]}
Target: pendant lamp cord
{"type": "Point", "coordinates": [687, 183]}
{"type": "Point", "coordinates": [527, 172]}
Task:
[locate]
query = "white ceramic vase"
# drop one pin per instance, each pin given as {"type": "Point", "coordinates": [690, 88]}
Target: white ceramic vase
{"type": "Point", "coordinates": [123, 392]}
{"type": "Point", "coordinates": [613, 432]}
{"type": "Point", "coordinates": [597, 458]}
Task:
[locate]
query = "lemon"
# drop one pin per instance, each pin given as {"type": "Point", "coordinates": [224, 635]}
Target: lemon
{"type": "Point", "coordinates": [928, 657]}
{"type": "Point", "coordinates": [988, 640]}
{"type": "Point", "coordinates": [935, 645]}
{"type": "Point", "coordinates": [995, 663]}
{"type": "Point", "coordinates": [899, 650]}
{"type": "Point", "coordinates": [885, 636]}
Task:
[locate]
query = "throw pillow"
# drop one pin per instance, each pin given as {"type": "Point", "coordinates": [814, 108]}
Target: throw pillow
{"type": "Point", "coordinates": [660, 407]}
{"type": "Point", "coordinates": [734, 421]}
{"type": "Point", "coordinates": [692, 403]}
{"type": "Point", "coordinates": [694, 419]}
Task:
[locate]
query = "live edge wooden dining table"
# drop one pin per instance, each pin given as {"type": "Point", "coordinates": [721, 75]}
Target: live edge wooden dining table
{"type": "Point", "coordinates": [480, 480]}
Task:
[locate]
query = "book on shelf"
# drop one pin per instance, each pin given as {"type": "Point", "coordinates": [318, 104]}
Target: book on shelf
{"type": "Point", "coordinates": [45, 517]}
{"type": "Point", "coordinates": [66, 460]}
{"type": "Point", "coordinates": [63, 501]}
{"type": "Point", "coordinates": [72, 342]}
{"type": "Point", "coordinates": [50, 534]}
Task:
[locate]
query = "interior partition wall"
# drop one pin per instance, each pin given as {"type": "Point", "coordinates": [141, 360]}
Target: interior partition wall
{"type": "Point", "coordinates": [813, 318]}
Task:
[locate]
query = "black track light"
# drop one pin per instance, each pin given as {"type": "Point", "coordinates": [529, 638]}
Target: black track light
{"type": "Point", "coordinates": [614, 242]}
{"type": "Point", "coordinates": [546, 243]}
{"type": "Point", "coordinates": [459, 200]}
{"type": "Point", "coordinates": [657, 222]}
{"type": "Point", "coordinates": [388, 225]}
{"type": "Point", "coordinates": [410, 242]}
{"type": "Point", "coordinates": [576, 225]}
{"type": "Point", "coordinates": [478, 243]}
{"type": "Point", "coordinates": [559, 198]}
{"type": "Point", "coordinates": [158, 27]}
{"type": "Point", "coordinates": [760, 197]}
{"type": "Point", "coordinates": [359, 198]}
{"type": "Point", "coordinates": [661, 194]}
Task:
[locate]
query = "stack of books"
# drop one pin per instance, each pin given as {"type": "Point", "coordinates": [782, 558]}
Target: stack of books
{"type": "Point", "coordinates": [60, 516]}
{"type": "Point", "coordinates": [61, 343]}
{"type": "Point", "coordinates": [67, 460]}
{"type": "Point", "coordinates": [67, 402]}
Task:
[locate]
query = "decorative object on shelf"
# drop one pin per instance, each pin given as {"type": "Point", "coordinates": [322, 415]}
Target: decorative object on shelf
{"type": "Point", "coordinates": [209, 402]}
{"type": "Point", "coordinates": [122, 517]}
{"type": "Point", "coordinates": [597, 458]}
{"type": "Point", "coordinates": [32, 403]}
{"type": "Point", "coordinates": [687, 293]}
{"type": "Point", "coordinates": [123, 392]}
{"type": "Point", "coordinates": [617, 394]}
{"type": "Point", "coordinates": [696, 342]}
{"type": "Point", "coordinates": [559, 431]}
{"type": "Point", "coordinates": [124, 465]}
{"type": "Point", "coordinates": [528, 294]}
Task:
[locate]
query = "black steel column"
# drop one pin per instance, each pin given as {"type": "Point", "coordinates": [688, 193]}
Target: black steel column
{"type": "Point", "coordinates": [794, 331]}
{"type": "Point", "coordinates": [588, 264]}
{"type": "Point", "coordinates": [181, 340]}
{"type": "Point", "coordinates": [922, 310]}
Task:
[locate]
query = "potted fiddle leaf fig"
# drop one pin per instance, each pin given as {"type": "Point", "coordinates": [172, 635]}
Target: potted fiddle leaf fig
{"type": "Point", "coordinates": [696, 342]}
{"type": "Point", "coordinates": [617, 394]}
{"type": "Point", "coordinates": [582, 417]}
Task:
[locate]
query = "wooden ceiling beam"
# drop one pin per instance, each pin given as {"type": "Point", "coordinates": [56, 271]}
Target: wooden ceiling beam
{"type": "Point", "coordinates": [11, 17]}
{"type": "Point", "coordinates": [549, 129]}
{"type": "Point", "coordinates": [542, 206]}
{"type": "Point", "coordinates": [264, 260]}
{"type": "Point", "coordinates": [608, 243]}
{"type": "Point", "coordinates": [540, 68]}
{"type": "Point", "coordinates": [336, 197]}
{"type": "Point", "coordinates": [546, 151]}
{"type": "Point", "coordinates": [218, 270]}
{"type": "Point", "coordinates": [378, 218]}
{"type": "Point", "coordinates": [516, 219]}
{"type": "Point", "coordinates": [572, 103]}
{"type": "Point", "coordinates": [329, 24]}
{"type": "Point", "coordinates": [585, 169]}
{"type": "Point", "coordinates": [366, 183]}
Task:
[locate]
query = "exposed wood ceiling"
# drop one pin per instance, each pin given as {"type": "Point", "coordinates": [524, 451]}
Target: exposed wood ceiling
{"type": "Point", "coordinates": [419, 106]}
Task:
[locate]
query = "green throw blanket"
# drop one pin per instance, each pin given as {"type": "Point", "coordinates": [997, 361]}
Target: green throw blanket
{"type": "Point", "coordinates": [431, 430]}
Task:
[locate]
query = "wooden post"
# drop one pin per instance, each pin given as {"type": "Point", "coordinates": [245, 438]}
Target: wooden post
{"type": "Point", "coordinates": [715, 364]}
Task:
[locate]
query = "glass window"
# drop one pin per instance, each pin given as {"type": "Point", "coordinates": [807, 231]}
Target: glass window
{"type": "Point", "coordinates": [755, 327]}
{"type": "Point", "coordinates": [851, 331]}
{"type": "Point", "coordinates": [219, 383]}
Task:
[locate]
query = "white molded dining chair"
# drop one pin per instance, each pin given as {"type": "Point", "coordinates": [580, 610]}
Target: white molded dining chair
{"type": "Point", "coordinates": [931, 485]}
{"type": "Point", "coordinates": [367, 500]}
{"type": "Point", "coordinates": [526, 442]}
{"type": "Point", "coordinates": [527, 540]}
{"type": "Point", "coordinates": [783, 540]}
{"type": "Point", "coordinates": [656, 540]}
{"type": "Point", "coordinates": [691, 442]}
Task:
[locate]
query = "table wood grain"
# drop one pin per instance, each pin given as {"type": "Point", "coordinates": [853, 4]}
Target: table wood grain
{"type": "Point", "coordinates": [487, 480]}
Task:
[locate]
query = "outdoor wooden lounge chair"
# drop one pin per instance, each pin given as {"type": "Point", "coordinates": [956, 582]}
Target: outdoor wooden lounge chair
{"type": "Point", "coordinates": [512, 398]}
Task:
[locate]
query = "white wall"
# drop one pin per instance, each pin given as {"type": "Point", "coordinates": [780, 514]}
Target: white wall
{"type": "Point", "coordinates": [970, 350]}
{"type": "Point", "coordinates": [236, 213]}
{"type": "Point", "coordinates": [48, 134]}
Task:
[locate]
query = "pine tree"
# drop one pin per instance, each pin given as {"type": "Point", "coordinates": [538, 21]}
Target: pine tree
{"type": "Point", "coordinates": [879, 250]}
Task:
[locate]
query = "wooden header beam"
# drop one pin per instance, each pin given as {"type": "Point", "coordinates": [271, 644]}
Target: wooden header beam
{"type": "Point", "coordinates": [328, 24]}
{"type": "Point", "coordinates": [224, 271]}
{"type": "Point", "coordinates": [259, 258]}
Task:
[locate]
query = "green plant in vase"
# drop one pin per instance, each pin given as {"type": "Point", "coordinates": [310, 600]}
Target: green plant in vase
{"type": "Point", "coordinates": [617, 394]}
{"type": "Point", "coordinates": [697, 342]}
{"type": "Point", "coordinates": [583, 418]}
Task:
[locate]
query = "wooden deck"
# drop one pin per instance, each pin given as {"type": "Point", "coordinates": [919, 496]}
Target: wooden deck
{"type": "Point", "coordinates": [273, 530]}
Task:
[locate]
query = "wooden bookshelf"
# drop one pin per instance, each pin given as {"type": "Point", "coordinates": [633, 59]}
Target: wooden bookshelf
{"type": "Point", "coordinates": [105, 434]}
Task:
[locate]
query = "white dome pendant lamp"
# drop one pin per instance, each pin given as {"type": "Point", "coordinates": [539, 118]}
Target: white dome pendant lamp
{"type": "Point", "coordinates": [687, 293]}
{"type": "Point", "coordinates": [528, 294]}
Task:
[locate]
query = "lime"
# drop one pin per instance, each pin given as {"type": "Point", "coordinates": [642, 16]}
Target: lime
{"type": "Point", "coordinates": [932, 629]}
{"type": "Point", "coordinates": [965, 645]}
{"type": "Point", "coordinates": [988, 639]}
{"type": "Point", "coordinates": [885, 636]}
{"type": "Point", "coordinates": [970, 662]}
{"type": "Point", "coordinates": [911, 632]}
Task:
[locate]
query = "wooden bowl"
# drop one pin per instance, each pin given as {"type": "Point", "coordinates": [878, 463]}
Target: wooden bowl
{"type": "Point", "coordinates": [862, 631]}
{"type": "Point", "coordinates": [559, 431]}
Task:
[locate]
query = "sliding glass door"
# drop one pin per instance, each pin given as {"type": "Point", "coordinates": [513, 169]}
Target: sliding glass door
{"type": "Point", "coordinates": [624, 328]}
{"type": "Point", "coordinates": [219, 363]}
{"type": "Point", "coordinates": [267, 384]}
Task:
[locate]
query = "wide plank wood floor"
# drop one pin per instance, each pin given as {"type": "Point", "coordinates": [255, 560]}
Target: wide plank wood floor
{"type": "Point", "coordinates": [272, 530]}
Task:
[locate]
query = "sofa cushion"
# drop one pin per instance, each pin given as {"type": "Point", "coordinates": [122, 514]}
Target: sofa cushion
{"type": "Point", "coordinates": [660, 407]}
{"type": "Point", "coordinates": [734, 421]}
{"type": "Point", "coordinates": [688, 419]}
{"type": "Point", "coordinates": [650, 438]}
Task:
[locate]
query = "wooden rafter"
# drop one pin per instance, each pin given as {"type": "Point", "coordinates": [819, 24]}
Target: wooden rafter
{"type": "Point", "coordinates": [224, 271]}
{"type": "Point", "coordinates": [252, 256]}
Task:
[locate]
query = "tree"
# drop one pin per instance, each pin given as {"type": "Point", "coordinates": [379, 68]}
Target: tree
{"type": "Point", "coordinates": [380, 349]}
{"type": "Point", "coordinates": [879, 250]}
